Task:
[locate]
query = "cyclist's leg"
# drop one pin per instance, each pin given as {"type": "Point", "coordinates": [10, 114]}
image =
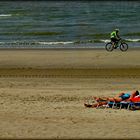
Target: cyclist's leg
{"type": "Point", "coordinates": [117, 40]}
{"type": "Point", "coordinates": [116, 43]}
{"type": "Point", "coordinates": [113, 41]}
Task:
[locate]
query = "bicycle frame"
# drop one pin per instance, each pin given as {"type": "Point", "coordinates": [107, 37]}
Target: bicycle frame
{"type": "Point", "coordinates": [117, 44]}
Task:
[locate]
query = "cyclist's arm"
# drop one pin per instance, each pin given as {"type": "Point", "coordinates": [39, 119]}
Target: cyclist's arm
{"type": "Point", "coordinates": [118, 37]}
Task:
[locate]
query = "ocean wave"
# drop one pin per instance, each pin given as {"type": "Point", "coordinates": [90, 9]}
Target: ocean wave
{"type": "Point", "coordinates": [55, 43]}
{"type": "Point", "coordinates": [33, 33]}
{"type": "Point", "coordinates": [5, 15]}
{"type": "Point", "coordinates": [105, 41]}
{"type": "Point", "coordinates": [108, 40]}
{"type": "Point", "coordinates": [133, 40]}
{"type": "Point", "coordinates": [127, 40]}
{"type": "Point", "coordinates": [92, 41]}
{"type": "Point", "coordinates": [132, 34]}
{"type": "Point", "coordinates": [42, 33]}
{"type": "Point", "coordinates": [43, 43]}
{"type": "Point", "coordinates": [96, 36]}
{"type": "Point", "coordinates": [26, 43]}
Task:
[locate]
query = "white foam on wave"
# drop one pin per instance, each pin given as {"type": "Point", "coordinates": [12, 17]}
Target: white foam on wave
{"type": "Point", "coordinates": [55, 43]}
{"type": "Point", "coordinates": [133, 40]}
{"type": "Point", "coordinates": [5, 15]}
{"type": "Point", "coordinates": [106, 40]}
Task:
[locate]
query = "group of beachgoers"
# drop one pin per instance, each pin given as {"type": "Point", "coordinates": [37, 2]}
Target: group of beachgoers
{"type": "Point", "coordinates": [133, 96]}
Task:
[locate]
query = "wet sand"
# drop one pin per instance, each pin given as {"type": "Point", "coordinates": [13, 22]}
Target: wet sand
{"type": "Point", "coordinates": [42, 93]}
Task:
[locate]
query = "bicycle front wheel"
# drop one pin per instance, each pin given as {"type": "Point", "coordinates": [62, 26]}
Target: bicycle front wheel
{"type": "Point", "coordinates": [123, 46]}
{"type": "Point", "coordinates": [109, 47]}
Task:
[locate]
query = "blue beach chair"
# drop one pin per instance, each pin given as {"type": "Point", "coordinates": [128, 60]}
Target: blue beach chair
{"type": "Point", "coordinates": [125, 105]}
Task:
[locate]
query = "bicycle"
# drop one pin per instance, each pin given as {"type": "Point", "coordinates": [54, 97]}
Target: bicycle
{"type": "Point", "coordinates": [110, 46]}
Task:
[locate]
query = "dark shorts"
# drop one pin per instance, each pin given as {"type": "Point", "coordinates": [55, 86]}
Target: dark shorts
{"type": "Point", "coordinates": [114, 40]}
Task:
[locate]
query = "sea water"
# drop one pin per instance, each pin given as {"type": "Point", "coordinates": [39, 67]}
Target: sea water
{"type": "Point", "coordinates": [67, 24]}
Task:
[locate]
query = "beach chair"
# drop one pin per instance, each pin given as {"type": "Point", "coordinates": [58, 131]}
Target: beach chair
{"type": "Point", "coordinates": [135, 105]}
{"type": "Point", "coordinates": [125, 105]}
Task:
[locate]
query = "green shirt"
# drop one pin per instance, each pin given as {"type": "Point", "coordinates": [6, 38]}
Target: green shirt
{"type": "Point", "coordinates": [113, 34]}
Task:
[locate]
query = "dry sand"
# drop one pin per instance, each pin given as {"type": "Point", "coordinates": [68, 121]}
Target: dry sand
{"type": "Point", "coordinates": [42, 93]}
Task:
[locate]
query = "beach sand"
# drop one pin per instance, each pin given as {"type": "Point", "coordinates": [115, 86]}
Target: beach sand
{"type": "Point", "coordinates": [42, 93]}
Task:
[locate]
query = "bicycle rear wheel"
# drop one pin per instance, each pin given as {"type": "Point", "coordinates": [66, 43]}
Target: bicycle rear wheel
{"type": "Point", "coordinates": [123, 46]}
{"type": "Point", "coordinates": [109, 47]}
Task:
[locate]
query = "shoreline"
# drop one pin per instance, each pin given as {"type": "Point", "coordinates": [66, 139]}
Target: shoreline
{"type": "Point", "coordinates": [62, 48]}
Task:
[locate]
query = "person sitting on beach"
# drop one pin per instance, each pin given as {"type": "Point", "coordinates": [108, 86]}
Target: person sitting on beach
{"type": "Point", "coordinates": [115, 37]}
{"type": "Point", "coordinates": [120, 97]}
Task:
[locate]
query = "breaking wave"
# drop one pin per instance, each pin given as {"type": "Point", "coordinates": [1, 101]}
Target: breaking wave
{"type": "Point", "coordinates": [26, 43]}
{"type": "Point", "coordinates": [55, 43]}
{"type": "Point", "coordinates": [5, 15]}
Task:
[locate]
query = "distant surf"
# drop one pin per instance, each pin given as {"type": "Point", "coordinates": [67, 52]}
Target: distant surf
{"type": "Point", "coordinates": [51, 24]}
{"type": "Point", "coordinates": [5, 15]}
{"type": "Point", "coordinates": [64, 44]}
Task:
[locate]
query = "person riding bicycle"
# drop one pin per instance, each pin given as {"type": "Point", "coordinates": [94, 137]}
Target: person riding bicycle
{"type": "Point", "coordinates": [115, 37]}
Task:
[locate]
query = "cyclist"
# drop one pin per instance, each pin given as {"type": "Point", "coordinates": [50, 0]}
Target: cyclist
{"type": "Point", "coordinates": [115, 37]}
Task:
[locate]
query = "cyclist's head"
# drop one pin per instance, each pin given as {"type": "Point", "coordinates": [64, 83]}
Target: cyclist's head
{"type": "Point", "coordinates": [117, 30]}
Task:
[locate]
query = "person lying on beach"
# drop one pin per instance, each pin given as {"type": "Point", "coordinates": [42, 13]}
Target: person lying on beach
{"type": "Point", "coordinates": [124, 96]}
{"type": "Point", "coordinates": [120, 97]}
